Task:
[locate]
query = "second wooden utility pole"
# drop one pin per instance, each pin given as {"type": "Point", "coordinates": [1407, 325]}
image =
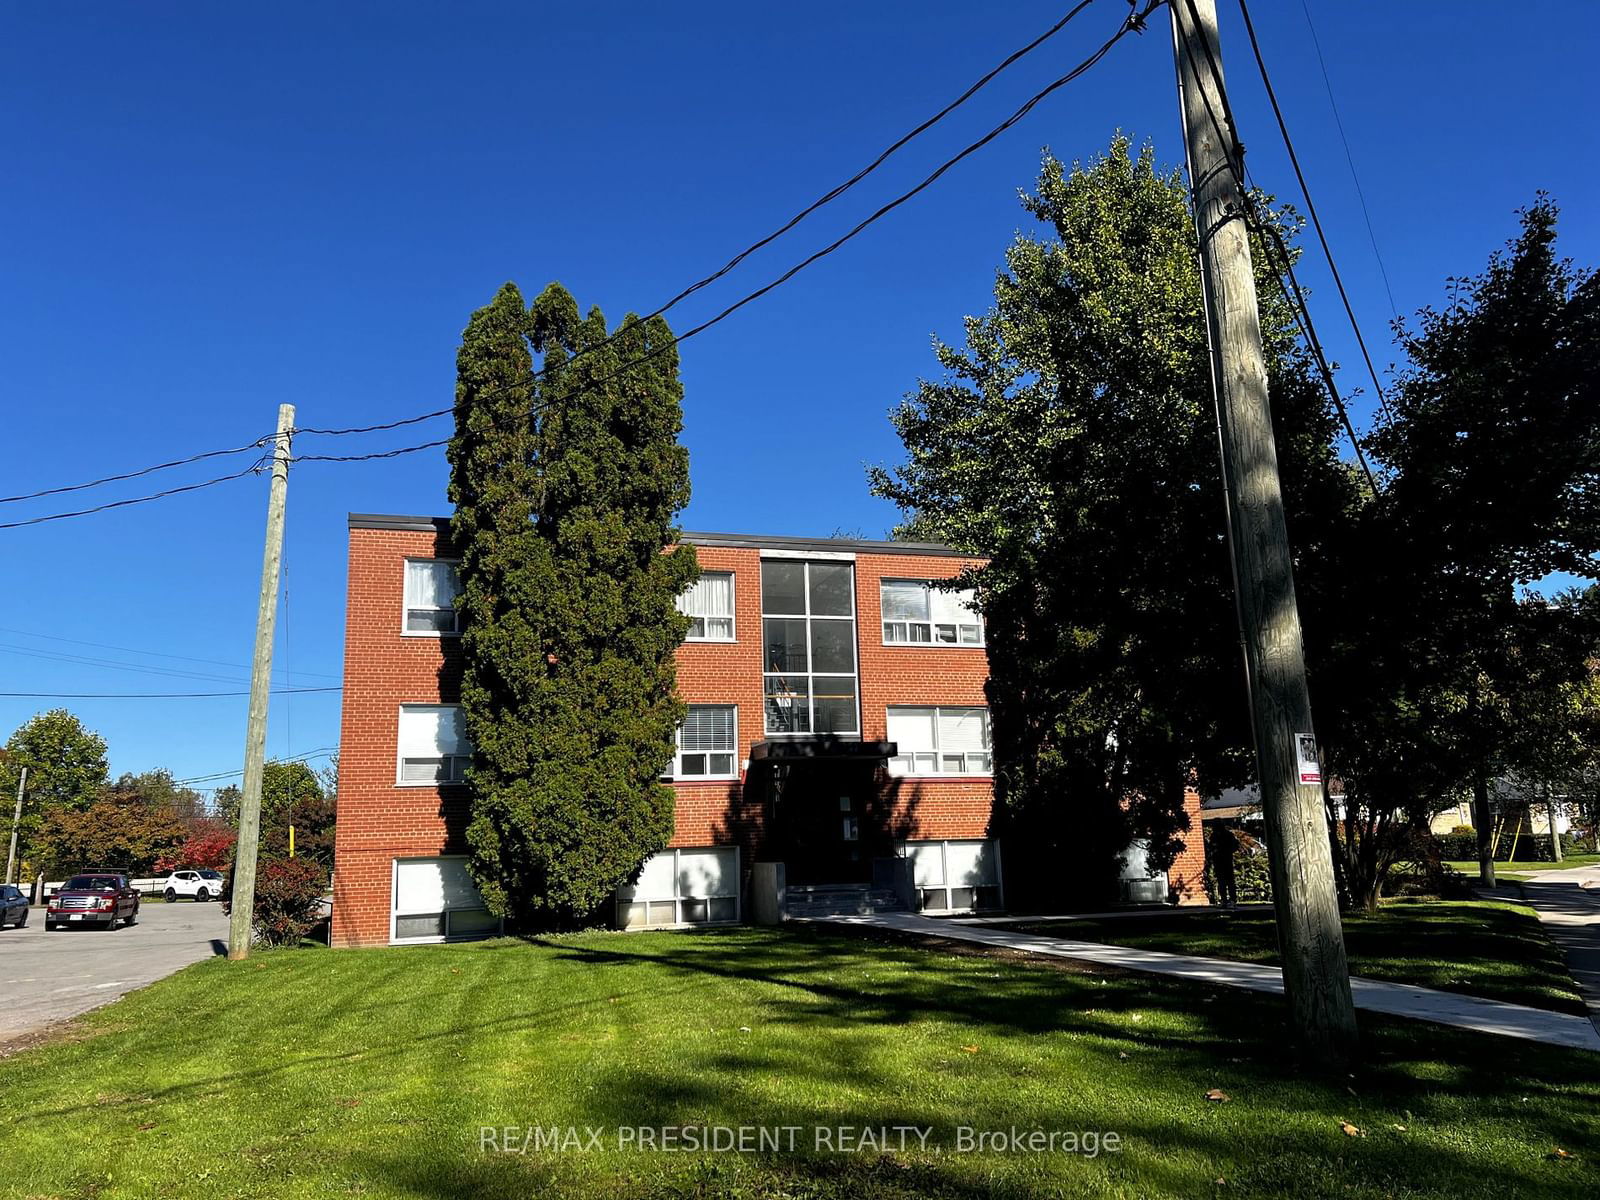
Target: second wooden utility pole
{"type": "Point", "coordinates": [1316, 976]}
{"type": "Point", "coordinates": [255, 738]}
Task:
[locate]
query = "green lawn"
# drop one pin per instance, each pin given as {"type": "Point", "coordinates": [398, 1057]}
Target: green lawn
{"type": "Point", "coordinates": [371, 1073]}
{"type": "Point", "coordinates": [1487, 948]}
{"type": "Point", "coordinates": [1521, 870]}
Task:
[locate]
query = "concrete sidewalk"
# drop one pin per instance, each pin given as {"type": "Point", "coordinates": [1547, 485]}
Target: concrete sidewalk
{"type": "Point", "coordinates": [1568, 903]}
{"type": "Point", "coordinates": [1393, 999]}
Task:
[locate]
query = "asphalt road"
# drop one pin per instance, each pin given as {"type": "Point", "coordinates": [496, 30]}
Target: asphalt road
{"type": "Point", "coordinates": [47, 977]}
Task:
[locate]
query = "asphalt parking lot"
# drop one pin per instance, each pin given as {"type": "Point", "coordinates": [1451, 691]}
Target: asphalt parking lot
{"type": "Point", "coordinates": [47, 977]}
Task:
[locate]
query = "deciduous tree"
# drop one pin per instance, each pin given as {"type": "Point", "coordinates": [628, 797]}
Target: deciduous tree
{"type": "Point", "coordinates": [1074, 441]}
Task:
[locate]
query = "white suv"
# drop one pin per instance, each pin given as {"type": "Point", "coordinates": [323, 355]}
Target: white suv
{"type": "Point", "coordinates": [201, 885]}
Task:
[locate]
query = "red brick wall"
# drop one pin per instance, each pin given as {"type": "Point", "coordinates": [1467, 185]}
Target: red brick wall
{"type": "Point", "coordinates": [1187, 873]}
{"type": "Point", "coordinates": [379, 821]}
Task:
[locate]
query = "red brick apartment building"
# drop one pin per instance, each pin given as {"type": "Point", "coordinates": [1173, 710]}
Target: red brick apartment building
{"type": "Point", "coordinates": [837, 726]}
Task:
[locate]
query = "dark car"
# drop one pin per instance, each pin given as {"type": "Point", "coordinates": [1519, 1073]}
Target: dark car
{"type": "Point", "coordinates": [13, 907]}
{"type": "Point", "coordinates": [95, 898]}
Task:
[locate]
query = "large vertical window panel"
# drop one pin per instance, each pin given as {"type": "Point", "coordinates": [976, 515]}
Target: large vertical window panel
{"type": "Point", "coordinates": [683, 887]}
{"type": "Point", "coordinates": [433, 744]}
{"type": "Point", "coordinates": [435, 900]}
{"type": "Point", "coordinates": [709, 606]}
{"type": "Point", "coordinates": [808, 631]}
{"type": "Point", "coordinates": [431, 588]}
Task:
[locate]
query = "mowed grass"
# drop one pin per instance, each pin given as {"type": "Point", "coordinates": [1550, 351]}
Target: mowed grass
{"type": "Point", "coordinates": [1490, 948]}
{"type": "Point", "coordinates": [372, 1073]}
{"type": "Point", "coordinates": [1525, 870]}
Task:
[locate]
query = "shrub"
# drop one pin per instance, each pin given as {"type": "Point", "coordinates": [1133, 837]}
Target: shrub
{"type": "Point", "coordinates": [288, 900]}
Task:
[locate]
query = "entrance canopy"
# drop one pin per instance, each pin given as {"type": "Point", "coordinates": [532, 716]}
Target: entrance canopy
{"type": "Point", "coordinates": [824, 747]}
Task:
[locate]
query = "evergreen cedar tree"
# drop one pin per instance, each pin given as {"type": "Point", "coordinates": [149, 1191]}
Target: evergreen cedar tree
{"type": "Point", "coordinates": [1074, 441]}
{"type": "Point", "coordinates": [566, 488]}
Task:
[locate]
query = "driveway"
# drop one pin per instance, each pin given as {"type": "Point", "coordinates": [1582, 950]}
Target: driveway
{"type": "Point", "coordinates": [47, 977]}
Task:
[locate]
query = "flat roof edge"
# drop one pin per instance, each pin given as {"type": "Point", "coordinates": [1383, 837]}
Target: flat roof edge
{"type": "Point", "coordinates": [754, 541]}
{"type": "Point", "coordinates": [393, 521]}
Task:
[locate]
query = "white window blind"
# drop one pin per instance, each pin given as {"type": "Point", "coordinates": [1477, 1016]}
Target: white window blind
{"type": "Point", "coordinates": [431, 588]}
{"type": "Point", "coordinates": [916, 612]}
{"type": "Point", "coordinates": [939, 741]}
{"type": "Point", "coordinates": [683, 887]}
{"type": "Point", "coordinates": [955, 876]}
{"type": "Point", "coordinates": [435, 899]}
{"type": "Point", "coordinates": [433, 744]}
{"type": "Point", "coordinates": [708, 742]}
{"type": "Point", "coordinates": [709, 605]}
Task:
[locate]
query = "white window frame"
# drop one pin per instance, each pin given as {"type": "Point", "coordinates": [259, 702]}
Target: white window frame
{"type": "Point", "coordinates": [732, 614]}
{"type": "Point", "coordinates": [399, 753]}
{"type": "Point", "coordinates": [405, 605]}
{"type": "Point", "coordinates": [733, 753]}
{"type": "Point", "coordinates": [938, 771]}
{"type": "Point", "coordinates": [809, 675]}
{"type": "Point", "coordinates": [677, 898]}
{"type": "Point", "coordinates": [945, 885]}
{"type": "Point", "coordinates": [435, 939]}
{"type": "Point", "coordinates": [929, 624]}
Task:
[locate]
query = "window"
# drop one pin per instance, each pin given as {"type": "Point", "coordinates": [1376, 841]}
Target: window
{"type": "Point", "coordinates": [808, 631]}
{"type": "Point", "coordinates": [433, 744]}
{"type": "Point", "coordinates": [940, 741]}
{"type": "Point", "coordinates": [682, 887]}
{"type": "Point", "coordinates": [955, 876]}
{"type": "Point", "coordinates": [707, 743]}
{"type": "Point", "coordinates": [916, 613]}
{"type": "Point", "coordinates": [709, 606]}
{"type": "Point", "coordinates": [432, 586]}
{"type": "Point", "coordinates": [435, 900]}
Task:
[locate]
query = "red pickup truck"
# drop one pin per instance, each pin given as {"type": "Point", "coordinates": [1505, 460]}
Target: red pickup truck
{"type": "Point", "coordinates": [97, 898]}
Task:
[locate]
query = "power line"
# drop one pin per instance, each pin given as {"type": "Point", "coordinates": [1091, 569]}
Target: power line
{"type": "Point", "coordinates": [319, 752]}
{"type": "Point", "coordinates": [826, 198]}
{"type": "Point", "coordinates": [177, 462]}
{"type": "Point", "coordinates": [99, 508]}
{"type": "Point", "coordinates": [152, 695]}
{"type": "Point", "coordinates": [1291, 289]}
{"type": "Point", "coordinates": [1311, 207]}
{"type": "Point", "coordinates": [1133, 23]}
{"type": "Point", "coordinates": [1349, 157]}
{"type": "Point", "coordinates": [110, 664]}
{"type": "Point", "coordinates": [212, 662]}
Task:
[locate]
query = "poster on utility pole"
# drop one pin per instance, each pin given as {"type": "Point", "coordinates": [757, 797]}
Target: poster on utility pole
{"type": "Point", "coordinates": [1306, 752]}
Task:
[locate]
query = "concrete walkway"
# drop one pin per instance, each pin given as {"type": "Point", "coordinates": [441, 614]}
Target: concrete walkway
{"type": "Point", "coordinates": [1393, 999]}
{"type": "Point", "coordinates": [1568, 903]}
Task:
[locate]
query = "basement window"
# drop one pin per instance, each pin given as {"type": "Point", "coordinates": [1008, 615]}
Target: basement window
{"type": "Point", "coordinates": [955, 876]}
{"type": "Point", "coordinates": [683, 887]}
{"type": "Point", "coordinates": [435, 900]}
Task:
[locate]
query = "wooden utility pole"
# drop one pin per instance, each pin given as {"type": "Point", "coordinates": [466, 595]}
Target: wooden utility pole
{"type": "Point", "coordinates": [1316, 976]}
{"type": "Point", "coordinates": [255, 738]}
{"type": "Point", "coordinates": [16, 822]}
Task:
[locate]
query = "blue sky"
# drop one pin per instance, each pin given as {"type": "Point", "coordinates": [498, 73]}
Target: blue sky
{"type": "Point", "coordinates": [212, 209]}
